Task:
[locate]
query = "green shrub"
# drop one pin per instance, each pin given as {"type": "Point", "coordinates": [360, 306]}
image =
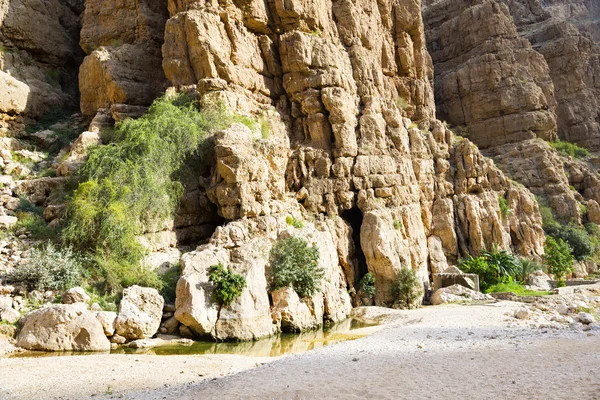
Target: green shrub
{"type": "Point", "coordinates": [228, 286]}
{"type": "Point", "coordinates": [493, 267]}
{"type": "Point", "coordinates": [407, 289]}
{"type": "Point", "coordinates": [169, 283]}
{"type": "Point", "coordinates": [49, 268]}
{"type": "Point", "coordinates": [559, 258]}
{"type": "Point", "coordinates": [578, 238]}
{"type": "Point", "coordinates": [526, 269]}
{"type": "Point", "coordinates": [294, 263]}
{"type": "Point", "coordinates": [367, 285]}
{"type": "Point", "coordinates": [108, 302]}
{"type": "Point", "coordinates": [398, 224]}
{"type": "Point", "coordinates": [296, 223]}
{"type": "Point", "coordinates": [110, 275]}
{"type": "Point", "coordinates": [505, 264]}
{"type": "Point", "coordinates": [131, 184]}
{"type": "Point", "coordinates": [504, 208]}
{"type": "Point", "coordinates": [478, 265]}
{"type": "Point", "coordinates": [569, 149]}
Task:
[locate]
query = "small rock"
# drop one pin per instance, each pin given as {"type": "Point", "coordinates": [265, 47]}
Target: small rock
{"type": "Point", "coordinates": [523, 313]}
{"type": "Point", "coordinates": [7, 222]}
{"type": "Point", "coordinates": [75, 295]}
{"type": "Point", "coordinates": [10, 315]}
{"type": "Point", "coordinates": [140, 312]}
{"type": "Point", "coordinates": [586, 318]}
{"type": "Point", "coordinates": [563, 309]}
{"type": "Point", "coordinates": [117, 339]}
{"type": "Point", "coordinates": [5, 302]}
{"type": "Point", "coordinates": [107, 320]}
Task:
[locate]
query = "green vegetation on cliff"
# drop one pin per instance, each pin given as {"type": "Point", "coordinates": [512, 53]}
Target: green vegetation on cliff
{"type": "Point", "coordinates": [296, 264]}
{"type": "Point", "coordinates": [130, 186]}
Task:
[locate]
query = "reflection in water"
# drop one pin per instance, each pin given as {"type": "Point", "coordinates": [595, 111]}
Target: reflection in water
{"type": "Point", "coordinates": [286, 343]}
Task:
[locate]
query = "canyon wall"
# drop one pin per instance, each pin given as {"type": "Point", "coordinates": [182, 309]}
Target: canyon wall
{"type": "Point", "coordinates": [346, 138]}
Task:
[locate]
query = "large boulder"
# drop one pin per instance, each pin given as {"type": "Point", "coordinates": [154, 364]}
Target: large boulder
{"type": "Point", "coordinates": [140, 312]}
{"type": "Point", "coordinates": [62, 327]}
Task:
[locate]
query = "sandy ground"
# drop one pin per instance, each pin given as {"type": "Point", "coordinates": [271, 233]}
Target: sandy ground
{"type": "Point", "coordinates": [450, 352]}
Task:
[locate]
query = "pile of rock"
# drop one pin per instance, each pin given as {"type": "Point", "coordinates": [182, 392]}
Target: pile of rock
{"type": "Point", "coordinates": [457, 294]}
{"type": "Point", "coordinates": [577, 311]}
{"type": "Point", "coordinates": [73, 326]}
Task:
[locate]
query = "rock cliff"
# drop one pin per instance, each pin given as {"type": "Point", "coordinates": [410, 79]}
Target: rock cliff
{"type": "Point", "coordinates": [340, 85]}
{"type": "Point", "coordinates": [529, 75]}
{"type": "Point", "coordinates": [346, 137]}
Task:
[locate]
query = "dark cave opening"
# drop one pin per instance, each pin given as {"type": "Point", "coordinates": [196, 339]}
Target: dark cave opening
{"type": "Point", "coordinates": [354, 217]}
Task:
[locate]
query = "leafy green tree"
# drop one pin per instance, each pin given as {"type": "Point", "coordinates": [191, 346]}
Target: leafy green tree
{"type": "Point", "coordinates": [559, 258]}
{"type": "Point", "coordinates": [294, 263]}
{"type": "Point", "coordinates": [407, 289]}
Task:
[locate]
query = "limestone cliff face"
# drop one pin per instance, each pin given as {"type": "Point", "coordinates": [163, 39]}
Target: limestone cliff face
{"type": "Point", "coordinates": [488, 79]}
{"type": "Point", "coordinates": [39, 54]}
{"type": "Point", "coordinates": [528, 75]}
{"type": "Point", "coordinates": [122, 41]}
{"type": "Point", "coordinates": [348, 141]}
{"type": "Point", "coordinates": [566, 34]}
{"type": "Point", "coordinates": [340, 83]}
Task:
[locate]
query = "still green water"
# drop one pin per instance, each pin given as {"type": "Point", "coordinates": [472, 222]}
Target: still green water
{"type": "Point", "coordinates": [275, 346]}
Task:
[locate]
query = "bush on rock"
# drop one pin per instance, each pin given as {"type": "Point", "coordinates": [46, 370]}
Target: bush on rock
{"type": "Point", "coordinates": [294, 263]}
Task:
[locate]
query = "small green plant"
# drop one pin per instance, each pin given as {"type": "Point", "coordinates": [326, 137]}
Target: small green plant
{"type": "Point", "coordinates": [296, 223]}
{"type": "Point", "coordinates": [228, 286]}
{"type": "Point", "coordinates": [26, 206]}
{"type": "Point", "coordinates": [108, 302]}
{"type": "Point", "coordinates": [316, 33]}
{"type": "Point", "coordinates": [559, 258]}
{"type": "Point", "coordinates": [265, 128]}
{"type": "Point", "coordinates": [49, 268]}
{"type": "Point", "coordinates": [461, 130]}
{"type": "Point", "coordinates": [582, 210]}
{"type": "Point", "coordinates": [526, 269]}
{"type": "Point", "coordinates": [52, 76]}
{"type": "Point", "coordinates": [366, 286]}
{"type": "Point", "coordinates": [34, 224]}
{"type": "Point", "coordinates": [505, 210]}
{"type": "Point", "coordinates": [413, 125]}
{"type": "Point", "coordinates": [116, 43]}
{"type": "Point", "coordinates": [398, 224]}
{"type": "Point", "coordinates": [407, 289]}
{"type": "Point", "coordinates": [296, 264]}
{"type": "Point", "coordinates": [402, 104]}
